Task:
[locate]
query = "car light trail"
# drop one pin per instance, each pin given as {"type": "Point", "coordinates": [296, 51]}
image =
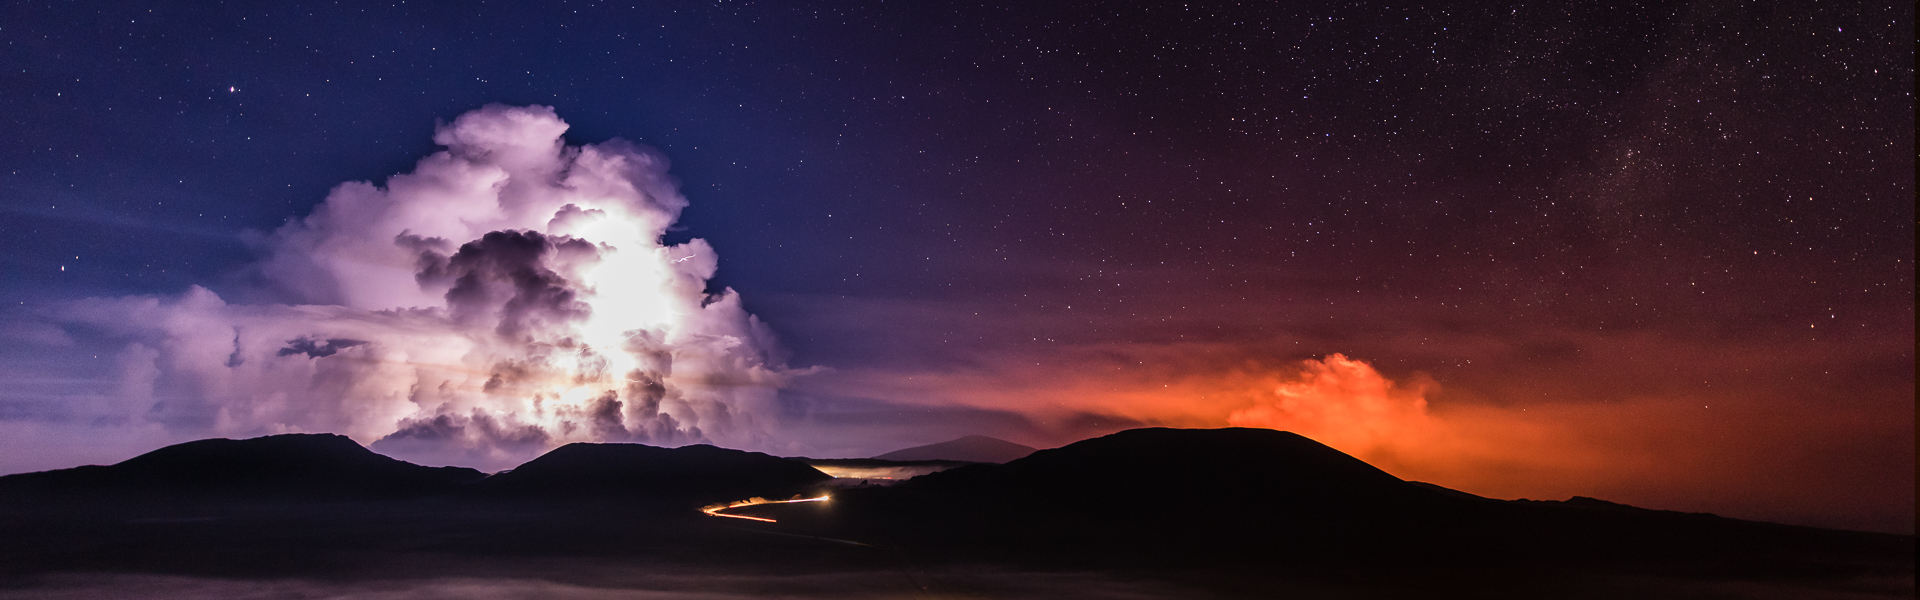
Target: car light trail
{"type": "Point", "coordinates": [714, 510]}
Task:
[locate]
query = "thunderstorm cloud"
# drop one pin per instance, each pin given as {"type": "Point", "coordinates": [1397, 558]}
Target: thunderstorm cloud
{"type": "Point", "coordinates": [510, 294]}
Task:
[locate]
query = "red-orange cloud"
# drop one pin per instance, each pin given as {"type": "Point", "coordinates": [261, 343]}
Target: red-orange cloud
{"type": "Point", "coordinates": [1343, 403]}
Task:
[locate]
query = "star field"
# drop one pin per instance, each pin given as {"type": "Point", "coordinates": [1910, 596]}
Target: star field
{"type": "Point", "coordinates": [1526, 203]}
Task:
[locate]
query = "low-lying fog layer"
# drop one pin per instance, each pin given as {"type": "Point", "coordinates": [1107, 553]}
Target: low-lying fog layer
{"type": "Point", "coordinates": [880, 473]}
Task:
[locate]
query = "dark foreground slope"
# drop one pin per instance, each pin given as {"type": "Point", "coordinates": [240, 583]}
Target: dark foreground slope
{"type": "Point", "coordinates": [1142, 513]}
{"type": "Point", "coordinates": [1249, 509]}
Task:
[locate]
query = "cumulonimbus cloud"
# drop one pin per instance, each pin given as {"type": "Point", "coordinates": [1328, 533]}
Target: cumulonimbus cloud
{"type": "Point", "coordinates": [510, 294]}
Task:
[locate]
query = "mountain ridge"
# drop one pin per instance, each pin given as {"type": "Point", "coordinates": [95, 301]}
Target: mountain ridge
{"type": "Point", "coordinates": [319, 466]}
{"type": "Point", "coordinates": [970, 448]}
{"type": "Point", "coordinates": [1247, 512]}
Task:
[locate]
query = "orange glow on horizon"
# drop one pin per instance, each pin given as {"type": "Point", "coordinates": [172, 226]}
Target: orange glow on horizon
{"type": "Point", "coordinates": [1756, 450]}
{"type": "Point", "coordinates": [1342, 403]}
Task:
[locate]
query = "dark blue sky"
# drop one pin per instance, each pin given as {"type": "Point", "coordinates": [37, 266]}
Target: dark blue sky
{"type": "Point", "coordinates": [905, 187]}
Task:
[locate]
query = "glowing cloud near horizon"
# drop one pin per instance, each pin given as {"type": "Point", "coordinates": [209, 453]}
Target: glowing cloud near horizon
{"type": "Point", "coordinates": [1343, 403]}
{"type": "Point", "coordinates": [510, 294]}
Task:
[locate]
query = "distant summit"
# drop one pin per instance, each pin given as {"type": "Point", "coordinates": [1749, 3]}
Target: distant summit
{"type": "Point", "coordinates": [688, 474]}
{"type": "Point", "coordinates": [972, 448]}
{"type": "Point", "coordinates": [310, 466]}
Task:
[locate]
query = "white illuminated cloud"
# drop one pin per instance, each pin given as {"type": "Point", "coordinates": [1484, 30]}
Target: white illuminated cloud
{"type": "Point", "coordinates": [510, 294]}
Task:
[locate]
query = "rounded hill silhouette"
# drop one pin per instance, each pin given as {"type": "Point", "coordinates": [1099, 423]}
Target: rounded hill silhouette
{"type": "Point", "coordinates": [1177, 468]}
{"type": "Point", "coordinates": [1165, 495]}
{"type": "Point", "coordinates": [698, 473]}
{"type": "Point", "coordinates": [310, 466]}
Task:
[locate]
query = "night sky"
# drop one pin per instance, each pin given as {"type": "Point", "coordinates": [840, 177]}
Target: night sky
{"type": "Point", "coordinates": [1660, 254]}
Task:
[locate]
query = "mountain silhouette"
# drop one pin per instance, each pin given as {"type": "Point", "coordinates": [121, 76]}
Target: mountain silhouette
{"type": "Point", "coordinates": [1228, 512]}
{"type": "Point", "coordinates": [972, 448]}
{"type": "Point", "coordinates": [295, 465]}
{"type": "Point", "coordinates": [1182, 465]}
{"type": "Point", "coordinates": [1144, 489]}
{"type": "Point", "coordinates": [1208, 498]}
{"type": "Point", "coordinates": [688, 474]}
{"type": "Point", "coordinates": [1231, 512]}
